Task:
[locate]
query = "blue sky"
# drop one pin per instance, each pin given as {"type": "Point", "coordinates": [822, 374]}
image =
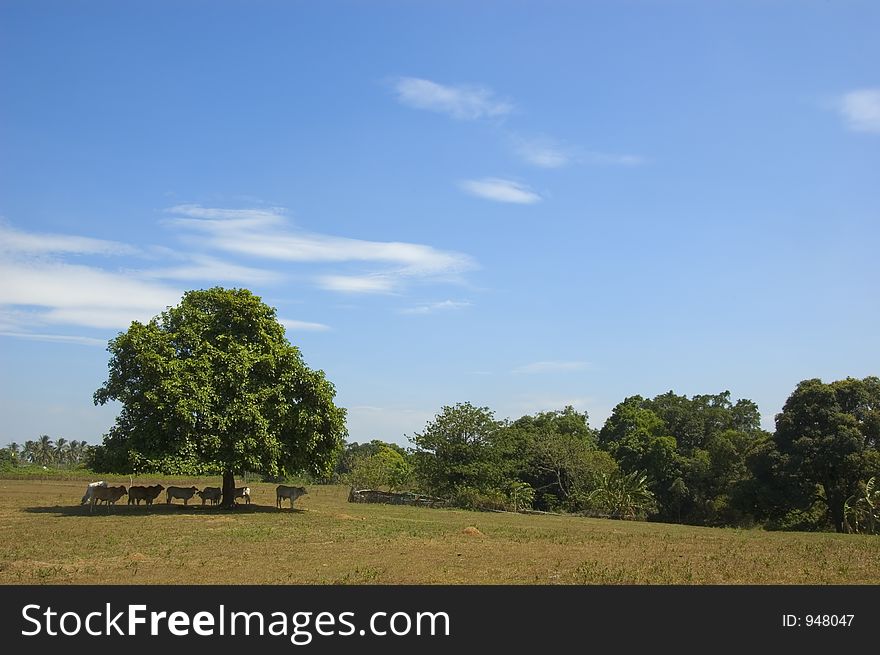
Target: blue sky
{"type": "Point", "coordinates": [521, 204]}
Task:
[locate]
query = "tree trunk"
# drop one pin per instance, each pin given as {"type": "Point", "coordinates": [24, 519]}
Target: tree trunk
{"type": "Point", "coordinates": [228, 490]}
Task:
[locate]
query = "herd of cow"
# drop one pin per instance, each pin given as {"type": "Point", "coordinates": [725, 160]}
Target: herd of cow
{"type": "Point", "coordinates": [98, 492]}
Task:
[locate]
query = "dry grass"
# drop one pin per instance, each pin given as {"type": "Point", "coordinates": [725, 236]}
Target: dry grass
{"type": "Point", "coordinates": [46, 537]}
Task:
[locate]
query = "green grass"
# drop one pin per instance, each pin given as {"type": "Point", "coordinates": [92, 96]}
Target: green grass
{"type": "Point", "coordinates": [46, 537]}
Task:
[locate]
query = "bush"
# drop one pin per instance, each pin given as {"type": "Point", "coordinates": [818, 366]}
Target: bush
{"type": "Point", "coordinates": [477, 499]}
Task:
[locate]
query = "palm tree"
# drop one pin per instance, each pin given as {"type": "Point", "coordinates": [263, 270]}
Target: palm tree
{"type": "Point", "coordinates": [28, 452]}
{"type": "Point", "coordinates": [15, 451]}
{"type": "Point", "coordinates": [62, 451]}
{"type": "Point", "coordinates": [44, 451]}
{"type": "Point", "coordinates": [625, 495]}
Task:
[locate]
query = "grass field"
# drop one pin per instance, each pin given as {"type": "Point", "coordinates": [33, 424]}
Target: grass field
{"type": "Point", "coordinates": [46, 537]}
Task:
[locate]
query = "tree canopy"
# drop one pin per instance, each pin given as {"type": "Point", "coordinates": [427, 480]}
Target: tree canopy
{"type": "Point", "coordinates": [213, 386]}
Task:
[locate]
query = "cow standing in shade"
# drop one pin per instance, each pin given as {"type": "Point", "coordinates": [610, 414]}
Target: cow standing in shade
{"type": "Point", "coordinates": [108, 494]}
{"type": "Point", "coordinates": [211, 494]}
{"type": "Point", "coordinates": [184, 493]}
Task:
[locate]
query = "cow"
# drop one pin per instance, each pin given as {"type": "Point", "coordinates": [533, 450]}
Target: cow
{"type": "Point", "coordinates": [109, 494]}
{"type": "Point", "coordinates": [211, 494]}
{"type": "Point", "coordinates": [87, 496]}
{"type": "Point", "coordinates": [242, 492]}
{"type": "Point", "coordinates": [282, 491]}
{"type": "Point", "coordinates": [147, 494]}
{"type": "Point", "coordinates": [179, 492]}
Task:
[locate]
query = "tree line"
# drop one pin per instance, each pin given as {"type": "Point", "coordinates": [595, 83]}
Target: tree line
{"type": "Point", "coordinates": [703, 460]}
{"type": "Point", "coordinates": [46, 452]}
{"type": "Point", "coordinates": [212, 386]}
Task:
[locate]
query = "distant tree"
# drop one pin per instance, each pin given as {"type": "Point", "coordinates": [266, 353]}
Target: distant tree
{"type": "Point", "coordinates": [456, 449]}
{"type": "Point", "coordinates": [62, 451]}
{"type": "Point", "coordinates": [213, 386]}
{"type": "Point", "coordinates": [43, 451]}
{"type": "Point", "coordinates": [14, 451]}
{"type": "Point", "coordinates": [827, 439]}
{"type": "Point", "coordinates": [693, 451]}
{"type": "Point", "coordinates": [559, 457]}
{"type": "Point", "coordinates": [386, 467]}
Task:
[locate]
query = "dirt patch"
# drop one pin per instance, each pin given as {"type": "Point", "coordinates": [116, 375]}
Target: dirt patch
{"type": "Point", "coordinates": [348, 517]}
{"type": "Point", "coordinates": [471, 531]}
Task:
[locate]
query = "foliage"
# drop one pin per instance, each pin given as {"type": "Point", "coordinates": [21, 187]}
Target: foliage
{"type": "Point", "coordinates": [386, 467]}
{"type": "Point", "coordinates": [624, 496]}
{"type": "Point", "coordinates": [457, 451]}
{"type": "Point", "coordinates": [827, 436]}
{"type": "Point", "coordinates": [693, 450]}
{"type": "Point", "coordinates": [861, 511]}
{"type": "Point", "coordinates": [213, 384]}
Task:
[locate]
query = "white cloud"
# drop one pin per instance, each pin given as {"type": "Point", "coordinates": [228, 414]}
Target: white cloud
{"type": "Point", "coordinates": [861, 110]}
{"type": "Point", "coordinates": [461, 102]}
{"type": "Point", "coordinates": [267, 235]}
{"type": "Point", "coordinates": [356, 283]}
{"type": "Point", "coordinates": [81, 295]}
{"type": "Point", "coordinates": [551, 367]}
{"type": "Point", "coordinates": [16, 241]}
{"type": "Point", "coordinates": [302, 326]}
{"type": "Point", "coordinates": [203, 267]}
{"type": "Point", "coordinates": [430, 308]}
{"type": "Point", "coordinates": [500, 190]}
{"type": "Point", "coordinates": [268, 215]}
{"type": "Point", "coordinates": [542, 152]}
{"type": "Point", "coordinates": [57, 338]}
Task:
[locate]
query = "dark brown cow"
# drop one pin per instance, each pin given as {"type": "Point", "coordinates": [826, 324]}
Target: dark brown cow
{"type": "Point", "coordinates": [148, 494]}
{"type": "Point", "coordinates": [211, 494]}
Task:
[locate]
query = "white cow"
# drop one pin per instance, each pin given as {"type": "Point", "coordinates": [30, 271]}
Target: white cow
{"type": "Point", "coordinates": [90, 490]}
{"type": "Point", "coordinates": [242, 492]}
{"type": "Point", "coordinates": [282, 491]}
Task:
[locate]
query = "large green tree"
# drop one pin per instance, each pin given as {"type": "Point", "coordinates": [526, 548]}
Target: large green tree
{"type": "Point", "coordinates": [213, 385]}
{"type": "Point", "coordinates": [828, 440]}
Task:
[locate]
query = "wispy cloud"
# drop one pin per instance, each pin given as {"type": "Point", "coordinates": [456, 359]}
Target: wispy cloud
{"type": "Point", "coordinates": [32, 243]}
{"type": "Point", "coordinates": [268, 235]}
{"type": "Point", "coordinates": [499, 190]}
{"type": "Point", "coordinates": [546, 152]}
{"type": "Point", "coordinates": [431, 308]}
{"type": "Point", "coordinates": [861, 110]}
{"type": "Point", "coordinates": [356, 283]}
{"type": "Point", "coordinates": [542, 152]}
{"type": "Point", "coordinates": [81, 295]}
{"type": "Point", "coordinates": [551, 367]}
{"type": "Point", "coordinates": [56, 338]}
{"type": "Point", "coordinates": [204, 267]}
{"type": "Point", "coordinates": [463, 102]}
{"type": "Point", "coordinates": [302, 326]}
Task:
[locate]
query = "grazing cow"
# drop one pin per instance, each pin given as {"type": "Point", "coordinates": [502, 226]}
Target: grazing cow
{"type": "Point", "coordinates": [87, 496]}
{"type": "Point", "coordinates": [179, 492]}
{"type": "Point", "coordinates": [109, 494]}
{"type": "Point", "coordinates": [282, 491]}
{"type": "Point", "coordinates": [211, 494]}
{"type": "Point", "coordinates": [242, 492]}
{"type": "Point", "coordinates": [147, 494]}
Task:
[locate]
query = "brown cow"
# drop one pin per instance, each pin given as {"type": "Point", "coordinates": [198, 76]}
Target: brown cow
{"type": "Point", "coordinates": [147, 494]}
{"type": "Point", "coordinates": [211, 494]}
{"type": "Point", "coordinates": [109, 494]}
